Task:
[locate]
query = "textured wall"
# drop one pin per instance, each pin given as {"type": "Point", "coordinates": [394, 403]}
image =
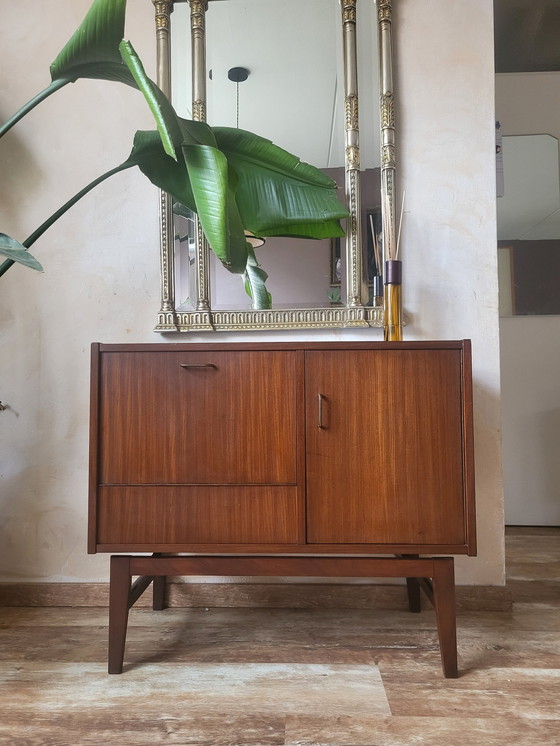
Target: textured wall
{"type": "Point", "coordinates": [101, 281]}
{"type": "Point", "coordinates": [446, 157]}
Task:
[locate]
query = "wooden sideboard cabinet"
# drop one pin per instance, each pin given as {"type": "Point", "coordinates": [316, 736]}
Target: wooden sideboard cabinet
{"type": "Point", "coordinates": [291, 459]}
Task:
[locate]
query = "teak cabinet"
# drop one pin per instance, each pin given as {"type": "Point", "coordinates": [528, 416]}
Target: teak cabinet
{"type": "Point", "coordinates": [270, 453]}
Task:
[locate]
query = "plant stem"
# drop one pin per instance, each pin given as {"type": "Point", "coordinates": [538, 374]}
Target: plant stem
{"type": "Point", "coordinates": [5, 266]}
{"type": "Point", "coordinates": [32, 103]}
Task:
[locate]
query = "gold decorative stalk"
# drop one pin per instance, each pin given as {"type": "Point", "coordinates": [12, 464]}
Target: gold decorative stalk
{"type": "Point", "coordinates": [199, 111]}
{"type": "Point", "coordinates": [356, 290]}
{"type": "Point", "coordinates": [198, 47]}
{"type": "Point", "coordinates": [388, 164]}
{"type": "Point", "coordinates": [163, 10]}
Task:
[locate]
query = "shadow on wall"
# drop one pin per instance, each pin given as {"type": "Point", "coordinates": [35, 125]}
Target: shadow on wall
{"type": "Point", "coordinates": [25, 176]}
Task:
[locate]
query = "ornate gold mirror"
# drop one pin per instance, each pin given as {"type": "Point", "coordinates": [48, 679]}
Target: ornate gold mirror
{"type": "Point", "coordinates": [289, 71]}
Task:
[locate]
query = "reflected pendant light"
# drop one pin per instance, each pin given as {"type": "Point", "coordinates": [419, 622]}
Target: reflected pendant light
{"type": "Point", "coordinates": [237, 75]}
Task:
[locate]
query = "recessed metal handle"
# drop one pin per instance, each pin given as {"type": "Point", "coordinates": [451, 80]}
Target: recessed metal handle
{"type": "Point", "coordinates": [320, 399]}
{"type": "Point", "coordinates": [197, 365]}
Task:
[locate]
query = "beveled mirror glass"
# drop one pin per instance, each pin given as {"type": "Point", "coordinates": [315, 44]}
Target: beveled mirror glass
{"type": "Point", "coordinates": [305, 64]}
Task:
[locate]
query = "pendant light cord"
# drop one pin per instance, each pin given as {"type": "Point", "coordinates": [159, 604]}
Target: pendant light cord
{"type": "Point", "coordinates": [237, 109]}
{"type": "Point", "coordinates": [237, 75]}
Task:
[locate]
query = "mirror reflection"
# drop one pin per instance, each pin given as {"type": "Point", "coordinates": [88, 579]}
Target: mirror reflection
{"type": "Point", "coordinates": [293, 94]}
{"type": "Point", "coordinates": [528, 213]}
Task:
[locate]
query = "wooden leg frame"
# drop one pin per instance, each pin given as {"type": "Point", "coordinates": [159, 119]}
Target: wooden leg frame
{"type": "Point", "coordinates": [434, 576]}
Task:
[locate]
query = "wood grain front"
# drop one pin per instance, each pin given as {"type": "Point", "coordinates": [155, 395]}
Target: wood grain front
{"type": "Point", "coordinates": [206, 417]}
{"type": "Point", "coordinates": [385, 464]}
{"type": "Point", "coordinates": [289, 447]}
{"type": "Point", "coordinates": [150, 515]}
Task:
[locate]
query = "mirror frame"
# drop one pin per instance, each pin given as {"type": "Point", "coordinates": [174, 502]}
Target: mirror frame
{"type": "Point", "coordinates": [355, 313]}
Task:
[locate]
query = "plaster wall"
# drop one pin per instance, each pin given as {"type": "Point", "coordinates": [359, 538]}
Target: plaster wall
{"type": "Point", "coordinates": [102, 284]}
{"type": "Point", "coordinates": [528, 103]}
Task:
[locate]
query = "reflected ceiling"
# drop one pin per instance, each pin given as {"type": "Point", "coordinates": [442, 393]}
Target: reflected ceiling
{"type": "Point", "coordinates": [294, 93]}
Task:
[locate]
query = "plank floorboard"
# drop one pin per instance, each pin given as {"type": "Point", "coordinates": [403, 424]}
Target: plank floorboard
{"type": "Point", "coordinates": [421, 731]}
{"type": "Point", "coordinates": [298, 677]}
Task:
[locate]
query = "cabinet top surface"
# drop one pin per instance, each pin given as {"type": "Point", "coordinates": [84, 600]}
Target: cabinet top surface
{"type": "Point", "coordinates": [346, 345]}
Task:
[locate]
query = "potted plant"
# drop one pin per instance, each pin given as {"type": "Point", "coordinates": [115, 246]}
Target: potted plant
{"type": "Point", "coordinates": [222, 174]}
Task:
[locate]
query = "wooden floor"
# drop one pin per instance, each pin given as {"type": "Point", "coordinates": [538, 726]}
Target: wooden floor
{"type": "Point", "coordinates": [348, 677]}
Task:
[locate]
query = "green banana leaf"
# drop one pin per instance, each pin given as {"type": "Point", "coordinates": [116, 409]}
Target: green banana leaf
{"type": "Point", "coordinates": [96, 39]}
{"type": "Point", "coordinates": [255, 277]}
{"type": "Point", "coordinates": [232, 179]}
{"type": "Point", "coordinates": [198, 179]}
{"type": "Point", "coordinates": [279, 195]}
{"type": "Point", "coordinates": [214, 195]}
{"type": "Point", "coordinates": [253, 186]}
{"type": "Point", "coordinates": [213, 185]}
{"type": "Point", "coordinates": [91, 52]}
{"type": "Point", "coordinates": [17, 252]}
{"type": "Point", "coordinates": [97, 50]}
{"type": "Point", "coordinates": [168, 174]}
{"type": "Point", "coordinates": [196, 133]}
{"type": "Point", "coordinates": [241, 181]}
{"type": "Point", "coordinates": [165, 117]}
{"type": "Point", "coordinates": [215, 205]}
{"type": "Point", "coordinates": [94, 51]}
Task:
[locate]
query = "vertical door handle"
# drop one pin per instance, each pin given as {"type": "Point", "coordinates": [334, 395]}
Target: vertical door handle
{"type": "Point", "coordinates": [320, 400]}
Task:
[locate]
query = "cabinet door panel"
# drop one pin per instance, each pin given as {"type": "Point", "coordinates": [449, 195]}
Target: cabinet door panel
{"type": "Point", "coordinates": [198, 417]}
{"type": "Point", "coordinates": [385, 463]}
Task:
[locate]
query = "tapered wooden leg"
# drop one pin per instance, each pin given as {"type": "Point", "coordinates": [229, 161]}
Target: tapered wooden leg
{"type": "Point", "coordinates": [119, 602]}
{"type": "Point", "coordinates": [414, 595]}
{"type": "Point", "coordinates": [444, 601]}
{"type": "Point", "coordinates": [158, 600]}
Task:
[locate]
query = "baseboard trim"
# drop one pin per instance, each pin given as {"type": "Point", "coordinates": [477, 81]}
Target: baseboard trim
{"type": "Point", "coordinates": [253, 595]}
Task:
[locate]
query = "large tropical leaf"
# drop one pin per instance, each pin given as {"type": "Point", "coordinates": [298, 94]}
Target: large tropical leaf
{"type": "Point", "coordinates": [91, 52]}
{"type": "Point", "coordinates": [255, 277]}
{"type": "Point", "coordinates": [277, 193]}
{"type": "Point", "coordinates": [97, 50]}
{"type": "Point", "coordinates": [196, 133]}
{"type": "Point", "coordinates": [168, 174]}
{"type": "Point", "coordinates": [204, 183]}
{"type": "Point", "coordinates": [198, 179]}
{"type": "Point", "coordinates": [96, 40]}
{"type": "Point", "coordinates": [166, 119]}
{"type": "Point", "coordinates": [215, 204]}
{"type": "Point", "coordinates": [17, 252]}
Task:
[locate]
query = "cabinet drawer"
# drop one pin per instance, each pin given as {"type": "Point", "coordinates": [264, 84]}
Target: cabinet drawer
{"type": "Point", "coordinates": [200, 417]}
{"type": "Point", "coordinates": [197, 515]}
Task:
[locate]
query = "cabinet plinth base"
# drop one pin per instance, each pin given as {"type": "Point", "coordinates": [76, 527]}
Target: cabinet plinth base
{"type": "Point", "coordinates": [433, 575]}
